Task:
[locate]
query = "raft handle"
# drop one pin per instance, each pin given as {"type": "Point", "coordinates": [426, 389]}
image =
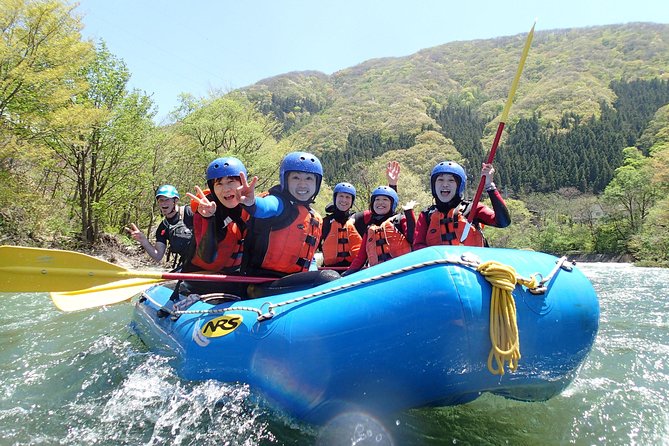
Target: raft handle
{"type": "Point", "coordinates": [268, 315]}
{"type": "Point", "coordinates": [561, 263]}
{"type": "Point", "coordinates": [567, 265]}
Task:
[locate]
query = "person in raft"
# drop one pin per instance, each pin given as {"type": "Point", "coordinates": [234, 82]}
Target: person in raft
{"type": "Point", "coordinates": [175, 231]}
{"type": "Point", "coordinates": [340, 241]}
{"type": "Point", "coordinates": [284, 231]}
{"type": "Point", "coordinates": [219, 224]}
{"type": "Point", "coordinates": [388, 235]}
{"type": "Point", "coordinates": [443, 223]}
{"type": "Point", "coordinates": [341, 238]}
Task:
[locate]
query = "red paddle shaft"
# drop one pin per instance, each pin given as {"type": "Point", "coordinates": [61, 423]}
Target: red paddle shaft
{"type": "Point", "coordinates": [215, 278]}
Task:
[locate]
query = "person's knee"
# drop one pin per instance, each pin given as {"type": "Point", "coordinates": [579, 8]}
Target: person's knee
{"type": "Point", "coordinates": [326, 276]}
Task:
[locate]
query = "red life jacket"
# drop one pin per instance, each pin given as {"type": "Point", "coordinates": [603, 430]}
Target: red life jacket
{"type": "Point", "coordinates": [447, 230]}
{"type": "Point", "coordinates": [228, 251]}
{"type": "Point", "coordinates": [386, 241]}
{"type": "Point", "coordinates": [341, 244]}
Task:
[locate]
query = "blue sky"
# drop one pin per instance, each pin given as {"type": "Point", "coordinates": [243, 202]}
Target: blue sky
{"type": "Point", "coordinates": [195, 46]}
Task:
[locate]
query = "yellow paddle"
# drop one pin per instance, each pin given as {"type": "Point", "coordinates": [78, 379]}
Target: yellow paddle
{"type": "Point", "coordinates": [498, 135]}
{"type": "Point", "coordinates": [43, 270]}
{"type": "Point", "coordinates": [102, 295]}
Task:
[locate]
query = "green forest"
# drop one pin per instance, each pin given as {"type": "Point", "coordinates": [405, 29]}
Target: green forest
{"type": "Point", "coordinates": [582, 163]}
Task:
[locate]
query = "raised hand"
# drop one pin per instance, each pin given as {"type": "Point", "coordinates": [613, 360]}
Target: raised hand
{"type": "Point", "coordinates": [410, 205]}
{"type": "Point", "coordinates": [134, 232]}
{"type": "Point", "coordinates": [393, 173]}
{"type": "Point", "coordinates": [487, 171]}
{"type": "Point", "coordinates": [205, 207]}
{"type": "Point", "coordinates": [246, 192]}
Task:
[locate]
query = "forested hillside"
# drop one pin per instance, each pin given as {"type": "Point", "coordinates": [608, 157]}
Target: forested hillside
{"type": "Point", "coordinates": [582, 162]}
{"type": "Point", "coordinates": [604, 80]}
{"type": "Point", "coordinates": [585, 96]}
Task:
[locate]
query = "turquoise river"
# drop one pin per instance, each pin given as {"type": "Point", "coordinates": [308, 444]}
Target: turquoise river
{"type": "Point", "coordinates": [83, 379]}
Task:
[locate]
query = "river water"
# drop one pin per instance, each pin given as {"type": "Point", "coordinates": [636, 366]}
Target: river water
{"type": "Point", "coordinates": [84, 379]}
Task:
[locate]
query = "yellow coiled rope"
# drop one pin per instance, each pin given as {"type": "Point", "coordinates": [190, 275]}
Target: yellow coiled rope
{"type": "Point", "coordinates": [503, 324]}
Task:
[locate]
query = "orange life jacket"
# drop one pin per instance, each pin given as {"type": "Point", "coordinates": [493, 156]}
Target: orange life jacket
{"type": "Point", "coordinates": [228, 251]}
{"type": "Point", "coordinates": [341, 244]}
{"type": "Point", "coordinates": [386, 241]}
{"type": "Point", "coordinates": [447, 230]}
{"type": "Point", "coordinates": [283, 244]}
{"type": "Point", "coordinates": [291, 249]}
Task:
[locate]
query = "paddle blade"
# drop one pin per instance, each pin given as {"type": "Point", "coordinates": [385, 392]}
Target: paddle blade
{"type": "Point", "coordinates": [25, 269]}
{"type": "Point", "coordinates": [100, 296]}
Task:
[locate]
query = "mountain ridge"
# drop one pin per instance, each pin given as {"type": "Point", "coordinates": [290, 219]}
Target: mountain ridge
{"type": "Point", "coordinates": [566, 70]}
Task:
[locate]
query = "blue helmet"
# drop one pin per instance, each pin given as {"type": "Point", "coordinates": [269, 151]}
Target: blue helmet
{"type": "Point", "coordinates": [225, 167]}
{"type": "Point", "coordinates": [385, 191]}
{"type": "Point", "coordinates": [167, 190]}
{"type": "Point", "coordinates": [346, 188]}
{"type": "Point", "coordinates": [452, 168]}
{"type": "Point", "coordinates": [301, 162]}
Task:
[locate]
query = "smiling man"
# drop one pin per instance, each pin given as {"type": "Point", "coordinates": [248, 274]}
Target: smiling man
{"type": "Point", "coordinates": [175, 231]}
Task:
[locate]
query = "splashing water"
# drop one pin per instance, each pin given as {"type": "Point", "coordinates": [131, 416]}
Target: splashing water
{"type": "Point", "coordinates": [83, 379]}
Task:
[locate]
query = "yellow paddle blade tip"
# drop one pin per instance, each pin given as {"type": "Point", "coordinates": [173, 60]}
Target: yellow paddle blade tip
{"type": "Point", "coordinates": [100, 296]}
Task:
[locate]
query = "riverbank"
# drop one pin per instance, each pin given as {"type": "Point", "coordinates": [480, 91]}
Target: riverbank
{"type": "Point", "coordinates": [112, 249]}
{"type": "Point", "coordinates": [600, 258]}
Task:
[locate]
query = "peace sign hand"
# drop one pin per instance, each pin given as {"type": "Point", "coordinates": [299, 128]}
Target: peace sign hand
{"type": "Point", "coordinates": [205, 207]}
{"type": "Point", "coordinates": [245, 193]}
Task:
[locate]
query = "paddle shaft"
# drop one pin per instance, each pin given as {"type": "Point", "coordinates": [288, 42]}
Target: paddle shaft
{"type": "Point", "coordinates": [216, 278]}
{"type": "Point", "coordinates": [500, 128]}
{"type": "Point", "coordinates": [333, 268]}
{"type": "Point", "coordinates": [491, 157]}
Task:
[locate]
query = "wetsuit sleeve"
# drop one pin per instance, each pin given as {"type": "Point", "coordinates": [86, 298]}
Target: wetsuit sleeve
{"type": "Point", "coordinates": [266, 207]}
{"type": "Point", "coordinates": [498, 216]}
{"type": "Point", "coordinates": [409, 225]}
{"type": "Point", "coordinates": [359, 223]}
{"type": "Point", "coordinates": [359, 260]}
{"type": "Point", "coordinates": [327, 225]}
{"type": "Point", "coordinates": [502, 217]}
{"type": "Point", "coordinates": [421, 232]}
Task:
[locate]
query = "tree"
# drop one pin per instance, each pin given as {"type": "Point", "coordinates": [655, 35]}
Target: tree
{"type": "Point", "coordinates": [226, 125]}
{"type": "Point", "coordinates": [520, 234]}
{"type": "Point", "coordinates": [651, 244]}
{"type": "Point", "coordinates": [632, 193]}
{"type": "Point", "coordinates": [98, 142]}
{"type": "Point", "coordinates": [41, 53]}
{"type": "Point", "coordinates": [230, 125]}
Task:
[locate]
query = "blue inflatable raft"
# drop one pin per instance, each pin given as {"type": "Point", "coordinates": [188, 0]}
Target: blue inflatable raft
{"type": "Point", "coordinates": [411, 332]}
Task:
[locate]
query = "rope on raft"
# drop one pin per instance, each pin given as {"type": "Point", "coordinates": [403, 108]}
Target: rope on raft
{"type": "Point", "coordinates": [463, 260]}
{"type": "Point", "coordinates": [503, 323]}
